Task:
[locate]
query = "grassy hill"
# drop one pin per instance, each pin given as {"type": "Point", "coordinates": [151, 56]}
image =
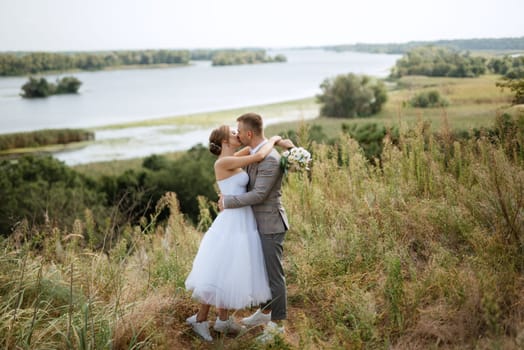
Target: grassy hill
{"type": "Point", "coordinates": [425, 251]}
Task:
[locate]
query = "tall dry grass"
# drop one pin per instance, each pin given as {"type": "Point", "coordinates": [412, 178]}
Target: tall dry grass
{"type": "Point", "coordinates": [425, 251]}
{"type": "Point", "coordinates": [43, 138]}
{"type": "Point", "coordinates": [67, 296]}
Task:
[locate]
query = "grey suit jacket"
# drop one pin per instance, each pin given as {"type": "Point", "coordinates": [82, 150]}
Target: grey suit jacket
{"type": "Point", "coordinates": [264, 192]}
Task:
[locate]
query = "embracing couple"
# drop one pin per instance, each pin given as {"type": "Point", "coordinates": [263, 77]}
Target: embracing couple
{"type": "Point", "coordinates": [239, 261]}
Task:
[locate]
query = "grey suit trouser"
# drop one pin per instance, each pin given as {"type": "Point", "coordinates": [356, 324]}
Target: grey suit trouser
{"type": "Point", "coordinates": [272, 247]}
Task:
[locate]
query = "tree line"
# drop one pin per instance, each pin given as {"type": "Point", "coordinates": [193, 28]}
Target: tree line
{"type": "Point", "coordinates": [499, 44]}
{"type": "Point", "coordinates": [36, 189]}
{"type": "Point", "coordinates": [508, 66]}
{"type": "Point", "coordinates": [439, 62]}
{"type": "Point", "coordinates": [41, 62]}
{"type": "Point", "coordinates": [235, 57]}
{"type": "Point", "coordinates": [443, 62]}
{"type": "Point", "coordinates": [27, 63]}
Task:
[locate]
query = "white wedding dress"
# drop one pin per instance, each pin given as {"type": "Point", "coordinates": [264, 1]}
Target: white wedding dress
{"type": "Point", "coordinates": [229, 270]}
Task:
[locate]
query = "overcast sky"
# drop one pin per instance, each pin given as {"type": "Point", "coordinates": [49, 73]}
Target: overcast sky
{"type": "Point", "coordinates": [61, 25]}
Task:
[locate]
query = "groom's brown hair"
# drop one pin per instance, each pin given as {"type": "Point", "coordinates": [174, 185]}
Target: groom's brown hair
{"type": "Point", "coordinates": [253, 122]}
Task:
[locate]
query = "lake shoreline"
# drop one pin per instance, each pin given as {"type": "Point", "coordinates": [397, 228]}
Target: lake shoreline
{"type": "Point", "coordinates": [122, 96]}
{"type": "Point", "coordinates": [208, 118]}
{"type": "Point", "coordinates": [474, 104]}
{"type": "Point", "coordinates": [176, 133]}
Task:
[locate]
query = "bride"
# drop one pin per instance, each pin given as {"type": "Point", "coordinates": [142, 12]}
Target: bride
{"type": "Point", "coordinates": [228, 270]}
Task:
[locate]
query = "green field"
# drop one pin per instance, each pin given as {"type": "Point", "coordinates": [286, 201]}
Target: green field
{"type": "Point", "coordinates": [474, 103]}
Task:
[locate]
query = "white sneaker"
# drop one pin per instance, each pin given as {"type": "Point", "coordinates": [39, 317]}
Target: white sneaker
{"type": "Point", "coordinates": [228, 326]}
{"type": "Point", "coordinates": [270, 332]}
{"type": "Point", "coordinates": [191, 320]}
{"type": "Point", "coordinates": [202, 329]}
{"type": "Point", "coordinates": [257, 319]}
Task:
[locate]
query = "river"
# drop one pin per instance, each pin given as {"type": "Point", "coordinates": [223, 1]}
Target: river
{"type": "Point", "coordinates": [120, 96]}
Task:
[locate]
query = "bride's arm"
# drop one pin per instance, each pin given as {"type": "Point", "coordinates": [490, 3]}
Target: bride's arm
{"type": "Point", "coordinates": [284, 143]}
{"type": "Point", "coordinates": [234, 162]}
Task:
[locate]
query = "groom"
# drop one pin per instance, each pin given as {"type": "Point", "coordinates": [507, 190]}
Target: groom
{"type": "Point", "coordinates": [264, 196]}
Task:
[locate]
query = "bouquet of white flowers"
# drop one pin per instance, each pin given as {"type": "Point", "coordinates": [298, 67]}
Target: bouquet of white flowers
{"type": "Point", "coordinates": [295, 159]}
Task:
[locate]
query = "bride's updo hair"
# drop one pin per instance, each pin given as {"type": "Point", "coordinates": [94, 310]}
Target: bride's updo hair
{"type": "Point", "coordinates": [216, 138]}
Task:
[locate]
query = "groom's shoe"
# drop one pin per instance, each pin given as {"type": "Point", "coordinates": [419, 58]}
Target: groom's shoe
{"type": "Point", "coordinates": [228, 326]}
{"type": "Point", "coordinates": [257, 319]}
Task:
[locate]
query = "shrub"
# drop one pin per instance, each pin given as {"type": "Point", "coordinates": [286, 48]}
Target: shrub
{"type": "Point", "coordinates": [39, 189]}
{"type": "Point", "coordinates": [509, 67]}
{"type": "Point", "coordinates": [350, 96]}
{"type": "Point", "coordinates": [37, 88]}
{"type": "Point", "coordinates": [155, 162]}
{"type": "Point", "coordinates": [68, 85]}
{"type": "Point", "coordinates": [189, 176]}
{"type": "Point", "coordinates": [370, 137]}
{"type": "Point", "coordinates": [516, 86]}
{"type": "Point", "coordinates": [428, 99]}
{"type": "Point", "coordinates": [313, 132]}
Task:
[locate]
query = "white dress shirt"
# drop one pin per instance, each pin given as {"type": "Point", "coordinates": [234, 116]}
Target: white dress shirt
{"type": "Point", "coordinates": [254, 150]}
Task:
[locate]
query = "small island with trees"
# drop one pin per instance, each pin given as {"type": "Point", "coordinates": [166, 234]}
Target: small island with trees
{"type": "Point", "coordinates": [35, 87]}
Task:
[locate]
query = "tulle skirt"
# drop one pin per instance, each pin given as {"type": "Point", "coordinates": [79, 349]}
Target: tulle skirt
{"type": "Point", "coordinates": [228, 270]}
